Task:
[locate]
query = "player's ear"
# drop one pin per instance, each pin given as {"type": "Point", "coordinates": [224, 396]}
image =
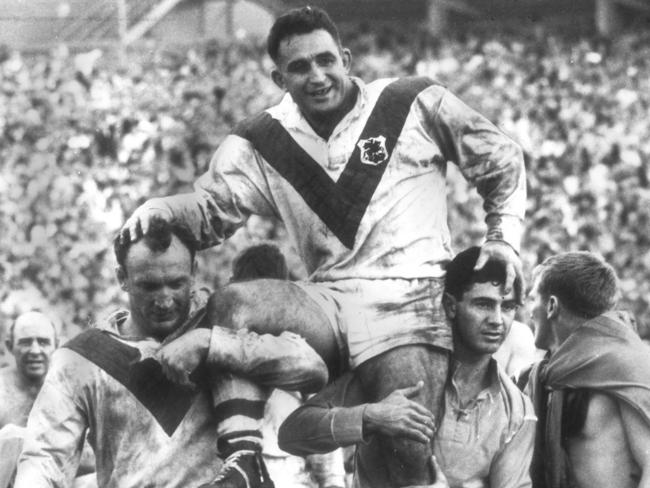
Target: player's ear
{"type": "Point", "coordinates": [449, 304]}
{"type": "Point", "coordinates": [552, 307]}
{"type": "Point", "coordinates": [278, 79]}
{"type": "Point", "coordinates": [346, 55]}
{"type": "Point", "coordinates": [120, 272]}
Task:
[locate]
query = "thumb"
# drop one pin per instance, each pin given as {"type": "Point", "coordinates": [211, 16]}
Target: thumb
{"type": "Point", "coordinates": [510, 278]}
{"type": "Point", "coordinates": [482, 260]}
{"type": "Point", "coordinates": [411, 391]}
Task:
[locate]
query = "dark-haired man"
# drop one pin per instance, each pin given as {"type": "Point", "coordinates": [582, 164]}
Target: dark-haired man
{"type": "Point", "coordinates": [486, 435]}
{"type": "Point", "coordinates": [592, 392]}
{"type": "Point", "coordinates": [145, 430]}
{"type": "Point", "coordinates": [357, 174]}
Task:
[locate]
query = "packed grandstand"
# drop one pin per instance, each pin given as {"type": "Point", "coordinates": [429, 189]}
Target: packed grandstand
{"type": "Point", "coordinates": [85, 139]}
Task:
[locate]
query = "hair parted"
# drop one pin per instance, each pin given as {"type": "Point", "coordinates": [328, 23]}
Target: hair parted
{"type": "Point", "coordinates": [461, 274]}
{"type": "Point", "coordinates": [582, 281]}
{"type": "Point", "coordinates": [299, 21]}
{"type": "Point", "coordinates": [260, 261]}
{"type": "Point", "coordinates": [158, 238]}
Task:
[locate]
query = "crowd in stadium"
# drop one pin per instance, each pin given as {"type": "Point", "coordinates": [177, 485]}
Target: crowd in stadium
{"type": "Point", "coordinates": [85, 140]}
{"type": "Point", "coordinates": [89, 138]}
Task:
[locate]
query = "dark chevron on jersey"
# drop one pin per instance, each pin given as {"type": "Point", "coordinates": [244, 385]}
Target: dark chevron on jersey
{"type": "Point", "coordinates": [339, 204]}
{"type": "Point", "coordinates": [167, 401]}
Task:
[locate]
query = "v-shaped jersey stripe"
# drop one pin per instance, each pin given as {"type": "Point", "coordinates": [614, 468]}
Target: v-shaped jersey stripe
{"type": "Point", "coordinates": [340, 204]}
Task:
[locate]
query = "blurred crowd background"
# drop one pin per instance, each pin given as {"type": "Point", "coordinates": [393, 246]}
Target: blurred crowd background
{"type": "Point", "coordinates": [86, 137]}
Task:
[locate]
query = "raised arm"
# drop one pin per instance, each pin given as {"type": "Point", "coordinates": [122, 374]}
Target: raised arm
{"type": "Point", "coordinates": [489, 160]}
{"type": "Point", "coordinates": [232, 189]}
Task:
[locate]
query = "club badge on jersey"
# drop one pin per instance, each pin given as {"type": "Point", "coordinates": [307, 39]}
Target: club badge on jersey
{"type": "Point", "coordinates": [373, 150]}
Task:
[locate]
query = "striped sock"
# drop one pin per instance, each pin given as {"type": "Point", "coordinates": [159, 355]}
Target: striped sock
{"type": "Point", "coordinates": [239, 410]}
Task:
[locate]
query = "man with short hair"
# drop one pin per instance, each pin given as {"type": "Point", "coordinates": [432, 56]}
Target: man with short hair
{"type": "Point", "coordinates": [144, 429]}
{"type": "Point", "coordinates": [485, 438]}
{"type": "Point", "coordinates": [356, 172]}
{"type": "Point", "coordinates": [32, 338]}
{"type": "Point", "coordinates": [592, 392]}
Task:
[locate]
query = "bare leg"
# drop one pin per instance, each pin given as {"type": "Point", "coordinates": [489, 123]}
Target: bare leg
{"type": "Point", "coordinates": [265, 307]}
{"type": "Point", "coordinates": [407, 461]}
{"type": "Point", "coordinates": [269, 306]}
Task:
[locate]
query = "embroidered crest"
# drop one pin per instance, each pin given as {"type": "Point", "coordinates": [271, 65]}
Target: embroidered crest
{"type": "Point", "coordinates": [373, 150]}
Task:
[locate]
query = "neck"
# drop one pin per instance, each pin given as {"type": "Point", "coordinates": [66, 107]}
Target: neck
{"type": "Point", "coordinates": [565, 326]}
{"type": "Point", "coordinates": [31, 385]}
{"type": "Point", "coordinates": [324, 125]}
{"type": "Point", "coordinates": [471, 374]}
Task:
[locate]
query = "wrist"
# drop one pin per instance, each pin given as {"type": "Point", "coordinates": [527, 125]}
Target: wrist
{"type": "Point", "coordinates": [201, 340]}
{"type": "Point", "coordinates": [504, 242]}
{"type": "Point", "coordinates": [368, 423]}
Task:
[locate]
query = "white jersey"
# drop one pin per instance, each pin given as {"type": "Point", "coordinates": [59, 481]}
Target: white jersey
{"type": "Point", "coordinates": [381, 216]}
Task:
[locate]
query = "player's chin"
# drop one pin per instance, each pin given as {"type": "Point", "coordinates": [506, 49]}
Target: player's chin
{"type": "Point", "coordinates": [490, 345]}
{"type": "Point", "coordinates": [163, 328]}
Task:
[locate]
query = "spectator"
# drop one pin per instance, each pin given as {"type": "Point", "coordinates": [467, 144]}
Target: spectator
{"type": "Point", "coordinates": [31, 339]}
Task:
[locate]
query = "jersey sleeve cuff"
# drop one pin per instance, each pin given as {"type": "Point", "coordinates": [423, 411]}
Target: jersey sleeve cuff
{"type": "Point", "coordinates": [347, 425]}
{"type": "Point", "coordinates": [506, 228]}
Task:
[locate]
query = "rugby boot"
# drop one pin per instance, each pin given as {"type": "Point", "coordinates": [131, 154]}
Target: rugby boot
{"type": "Point", "coordinates": [242, 469]}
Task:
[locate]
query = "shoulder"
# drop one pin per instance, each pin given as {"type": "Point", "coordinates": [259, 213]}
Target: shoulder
{"type": "Point", "coordinates": [8, 376]}
{"type": "Point", "coordinates": [518, 405]}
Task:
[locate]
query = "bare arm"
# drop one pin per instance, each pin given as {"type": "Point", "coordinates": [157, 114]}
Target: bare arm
{"type": "Point", "coordinates": [637, 430]}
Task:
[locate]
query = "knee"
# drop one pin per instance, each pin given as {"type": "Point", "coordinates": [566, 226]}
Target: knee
{"type": "Point", "coordinates": [230, 307]}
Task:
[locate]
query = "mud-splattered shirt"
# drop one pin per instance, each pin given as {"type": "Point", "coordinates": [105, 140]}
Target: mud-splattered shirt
{"type": "Point", "coordinates": [402, 230]}
{"type": "Point", "coordinates": [138, 444]}
{"type": "Point", "coordinates": [486, 443]}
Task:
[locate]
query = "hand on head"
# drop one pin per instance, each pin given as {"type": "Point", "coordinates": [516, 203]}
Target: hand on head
{"type": "Point", "coordinates": [503, 252]}
{"type": "Point", "coordinates": [139, 222]}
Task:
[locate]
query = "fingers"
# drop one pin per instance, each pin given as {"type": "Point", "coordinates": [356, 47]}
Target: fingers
{"type": "Point", "coordinates": [412, 391]}
{"type": "Point", "coordinates": [130, 229]}
{"type": "Point", "coordinates": [482, 259]}
{"type": "Point", "coordinates": [418, 427]}
{"type": "Point", "coordinates": [510, 278]}
{"type": "Point", "coordinates": [173, 372]}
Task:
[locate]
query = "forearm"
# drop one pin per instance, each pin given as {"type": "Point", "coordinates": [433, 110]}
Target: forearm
{"type": "Point", "coordinates": [285, 361]}
{"type": "Point", "coordinates": [490, 160]}
{"type": "Point", "coordinates": [321, 428]}
{"type": "Point", "coordinates": [209, 224]}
